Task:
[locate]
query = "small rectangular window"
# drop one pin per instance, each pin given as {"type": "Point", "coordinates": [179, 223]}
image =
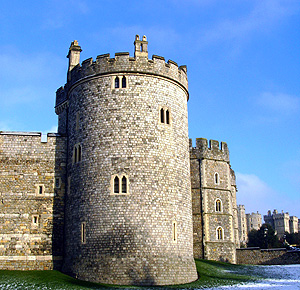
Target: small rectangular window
{"type": "Point", "coordinates": [75, 154]}
{"type": "Point", "coordinates": [40, 189]}
{"type": "Point", "coordinates": [174, 231]}
{"type": "Point", "coordinates": [83, 234]}
{"type": "Point", "coordinates": [35, 220]}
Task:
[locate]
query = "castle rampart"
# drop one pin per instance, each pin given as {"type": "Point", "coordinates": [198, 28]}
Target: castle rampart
{"type": "Point", "coordinates": [31, 200]}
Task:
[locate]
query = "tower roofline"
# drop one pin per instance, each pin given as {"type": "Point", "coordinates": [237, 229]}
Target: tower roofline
{"type": "Point", "coordinates": [122, 63]}
{"type": "Point", "coordinates": [211, 149]}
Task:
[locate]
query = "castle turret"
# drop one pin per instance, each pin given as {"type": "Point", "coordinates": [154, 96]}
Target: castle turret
{"type": "Point", "coordinates": [214, 201]}
{"type": "Point", "coordinates": [242, 224]}
{"type": "Point", "coordinates": [128, 209]}
{"type": "Point", "coordinates": [141, 47]}
{"type": "Point", "coordinates": [73, 55]}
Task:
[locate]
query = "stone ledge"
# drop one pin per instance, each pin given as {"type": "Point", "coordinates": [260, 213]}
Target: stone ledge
{"type": "Point", "coordinates": [30, 258]}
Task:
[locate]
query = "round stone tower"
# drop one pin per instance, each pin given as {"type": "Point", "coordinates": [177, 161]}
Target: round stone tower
{"type": "Point", "coordinates": [128, 214]}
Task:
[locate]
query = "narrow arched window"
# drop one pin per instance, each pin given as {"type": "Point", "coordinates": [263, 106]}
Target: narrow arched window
{"type": "Point", "coordinates": [75, 154]}
{"type": "Point", "coordinates": [123, 82]}
{"type": "Point", "coordinates": [217, 179]}
{"type": "Point", "coordinates": [167, 117]}
{"type": "Point", "coordinates": [117, 82]}
{"type": "Point", "coordinates": [174, 231]}
{"type": "Point", "coordinates": [218, 205]}
{"type": "Point", "coordinates": [79, 153]}
{"type": "Point", "coordinates": [124, 184]}
{"type": "Point", "coordinates": [162, 115]}
{"type": "Point", "coordinates": [219, 233]}
{"type": "Point", "coordinates": [83, 233]}
{"type": "Point", "coordinates": [116, 184]}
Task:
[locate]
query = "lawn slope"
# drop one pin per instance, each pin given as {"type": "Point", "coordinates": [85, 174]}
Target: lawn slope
{"type": "Point", "coordinates": [211, 274]}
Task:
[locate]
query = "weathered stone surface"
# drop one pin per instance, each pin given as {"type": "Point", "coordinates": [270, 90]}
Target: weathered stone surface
{"type": "Point", "coordinates": [61, 196]}
{"type": "Point", "coordinates": [213, 181]}
{"type": "Point", "coordinates": [129, 237]}
{"type": "Point", "coordinates": [242, 223]}
{"type": "Point", "coordinates": [256, 256]}
{"type": "Point", "coordinates": [31, 222]}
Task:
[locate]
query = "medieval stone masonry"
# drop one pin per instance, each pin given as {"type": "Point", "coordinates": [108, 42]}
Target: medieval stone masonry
{"type": "Point", "coordinates": [254, 221]}
{"type": "Point", "coordinates": [119, 195]}
{"type": "Point", "coordinates": [282, 222]}
{"type": "Point", "coordinates": [32, 200]}
{"type": "Point", "coordinates": [214, 202]}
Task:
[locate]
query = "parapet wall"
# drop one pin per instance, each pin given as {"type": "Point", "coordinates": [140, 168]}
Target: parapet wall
{"type": "Point", "coordinates": [124, 64]}
{"type": "Point", "coordinates": [209, 150]}
{"type": "Point", "coordinates": [257, 256]}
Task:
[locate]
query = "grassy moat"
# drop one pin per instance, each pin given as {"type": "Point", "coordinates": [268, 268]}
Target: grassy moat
{"type": "Point", "coordinates": [211, 274]}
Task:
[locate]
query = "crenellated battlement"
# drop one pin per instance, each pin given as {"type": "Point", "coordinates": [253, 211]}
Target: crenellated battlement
{"type": "Point", "coordinates": [121, 63]}
{"type": "Point", "coordinates": [211, 149]}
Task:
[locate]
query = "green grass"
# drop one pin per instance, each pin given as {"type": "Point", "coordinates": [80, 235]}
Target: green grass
{"type": "Point", "coordinates": [211, 274]}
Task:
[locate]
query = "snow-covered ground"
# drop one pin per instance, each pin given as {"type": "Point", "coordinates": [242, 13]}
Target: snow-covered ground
{"type": "Point", "coordinates": [285, 277]}
{"type": "Point", "coordinates": [274, 277]}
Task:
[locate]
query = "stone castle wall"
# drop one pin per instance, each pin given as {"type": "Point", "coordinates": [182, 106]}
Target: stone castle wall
{"type": "Point", "coordinates": [257, 256]}
{"type": "Point", "coordinates": [31, 206]}
{"type": "Point", "coordinates": [197, 207]}
{"type": "Point", "coordinates": [142, 235]}
{"type": "Point", "coordinates": [211, 179]}
{"type": "Point", "coordinates": [60, 197]}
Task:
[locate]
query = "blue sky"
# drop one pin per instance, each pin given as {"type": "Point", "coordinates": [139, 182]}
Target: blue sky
{"type": "Point", "coordinates": [243, 60]}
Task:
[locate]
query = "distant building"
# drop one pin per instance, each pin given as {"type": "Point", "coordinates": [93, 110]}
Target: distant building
{"type": "Point", "coordinates": [293, 224]}
{"type": "Point", "coordinates": [242, 224]}
{"type": "Point", "coordinates": [269, 219]}
{"type": "Point", "coordinates": [282, 222]}
{"type": "Point", "coordinates": [254, 221]}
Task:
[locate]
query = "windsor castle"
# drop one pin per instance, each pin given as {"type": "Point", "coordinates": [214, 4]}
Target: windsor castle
{"type": "Point", "coordinates": [119, 195]}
